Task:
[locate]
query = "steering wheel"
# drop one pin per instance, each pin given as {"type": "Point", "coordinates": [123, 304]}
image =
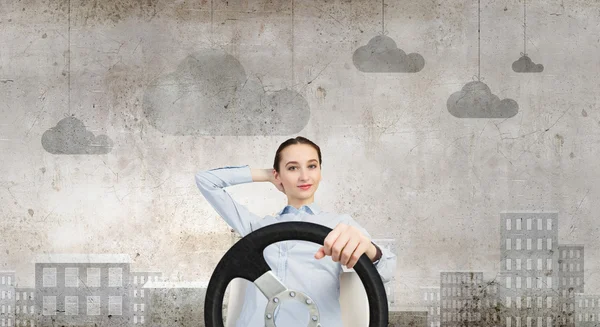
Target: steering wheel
{"type": "Point", "coordinates": [245, 260]}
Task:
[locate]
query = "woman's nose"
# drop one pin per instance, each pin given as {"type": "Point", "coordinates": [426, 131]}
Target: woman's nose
{"type": "Point", "coordinates": [303, 175]}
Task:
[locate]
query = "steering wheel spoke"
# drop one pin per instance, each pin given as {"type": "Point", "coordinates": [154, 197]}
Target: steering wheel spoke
{"type": "Point", "coordinates": [269, 285]}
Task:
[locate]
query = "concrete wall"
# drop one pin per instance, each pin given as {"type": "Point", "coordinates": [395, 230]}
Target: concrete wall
{"type": "Point", "coordinates": [148, 92]}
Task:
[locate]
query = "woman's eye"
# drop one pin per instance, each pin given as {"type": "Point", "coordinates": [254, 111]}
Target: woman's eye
{"type": "Point", "coordinates": [290, 168]}
{"type": "Point", "coordinates": [314, 166]}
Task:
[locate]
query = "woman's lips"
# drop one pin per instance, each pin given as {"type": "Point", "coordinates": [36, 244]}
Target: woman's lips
{"type": "Point", "coordinates": [304, 187]}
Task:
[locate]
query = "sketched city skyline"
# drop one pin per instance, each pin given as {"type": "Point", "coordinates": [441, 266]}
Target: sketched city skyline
{"type": "Point", "coordinates": [540, 282]}
{"type": "Point", "coordinates": [103, 290]}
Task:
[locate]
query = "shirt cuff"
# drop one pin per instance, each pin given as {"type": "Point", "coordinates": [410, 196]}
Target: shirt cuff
{"type": "Point", "coordinates": [378, 255]}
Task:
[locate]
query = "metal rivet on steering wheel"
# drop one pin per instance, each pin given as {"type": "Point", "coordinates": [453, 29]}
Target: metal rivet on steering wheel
{"type": "Point", "coordinates": [245, 260]}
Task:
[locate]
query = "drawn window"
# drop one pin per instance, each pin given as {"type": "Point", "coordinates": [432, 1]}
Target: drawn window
{"type": "Point", "coordinates": [93, 305]}
{"type": "Point", "coordinates": [93, 277]}
{"type": "Point", "coordinates": [115, 305]}
{"type": "Point", "coordinates": [71, 305]}
{"type": "Point", "coordinates": [49, 305]}
{"type": "Point", "coordinates": [49, 277]}
{"type": "Point", "coordinates": [115, 277]}
{"type": "Point", "coordinates": [71, 277]}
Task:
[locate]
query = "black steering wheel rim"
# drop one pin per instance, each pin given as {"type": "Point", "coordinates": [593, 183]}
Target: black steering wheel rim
{"type": "Point", "coordinates": [245, 260]}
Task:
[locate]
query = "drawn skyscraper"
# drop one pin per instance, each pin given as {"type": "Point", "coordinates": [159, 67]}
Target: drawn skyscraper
{"type": "Point", "coordinates": [25, 313]}
{"type": "Point", "coordinates": [7, 301]}
{"type": "Point", "coordinates": [587, 310]}
{"type": "Point", "coordinates": [431, 300]}
{"type": "Point", "coordinates": [570, 281]}
{"type": "Point", "coordinates": [460, 301]}
{"type": "Point", "coordinates": [529, 243]}
{"type": "Point", "coordinates": [139, 301]}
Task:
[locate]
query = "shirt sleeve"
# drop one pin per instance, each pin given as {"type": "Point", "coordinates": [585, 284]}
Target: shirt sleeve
{"type": "Point", "coordinates": [386, 266]}
{"type": "Point", "coordinates": [212, 184]}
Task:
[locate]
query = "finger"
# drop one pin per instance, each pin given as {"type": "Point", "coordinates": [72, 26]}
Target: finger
{"type": "Point", "coordinates": [320, 253]}
{"type": "Point", "coordinates": [350, 248]}
{"type": "Point", "coordinates": [331, 238]}
{"type": "Point", "coordinates": [360, 250]}
{"type": "Point", "coordinates": [338, 246]}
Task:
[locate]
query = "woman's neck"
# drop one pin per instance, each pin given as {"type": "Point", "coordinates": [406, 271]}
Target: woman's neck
{"type": "Point", "coordinates": [298, 203]}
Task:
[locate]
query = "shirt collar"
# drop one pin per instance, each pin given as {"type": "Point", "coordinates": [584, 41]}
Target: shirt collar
{"type": "Point", "coordinates": [312, 209]}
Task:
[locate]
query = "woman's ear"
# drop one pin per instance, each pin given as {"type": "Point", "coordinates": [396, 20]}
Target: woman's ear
{"type": "Point", "coordinates": [276, 175]}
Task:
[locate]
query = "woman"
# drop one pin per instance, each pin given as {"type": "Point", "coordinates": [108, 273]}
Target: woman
{"type": "Point", "coordinates": [299, 265]}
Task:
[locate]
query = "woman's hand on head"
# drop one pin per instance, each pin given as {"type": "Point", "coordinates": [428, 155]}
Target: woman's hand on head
{"type": "Point", "coordinates": [346, 244]}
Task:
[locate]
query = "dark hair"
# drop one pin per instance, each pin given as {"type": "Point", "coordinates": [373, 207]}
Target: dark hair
{"type": "Point", "coordinates": [296, 140]}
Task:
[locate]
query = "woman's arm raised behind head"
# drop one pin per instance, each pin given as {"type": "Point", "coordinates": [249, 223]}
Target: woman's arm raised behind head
{"type": "Point", "coordinates": [212, 184]}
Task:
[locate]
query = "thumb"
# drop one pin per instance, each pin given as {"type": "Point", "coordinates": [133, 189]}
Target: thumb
{"type": "Point", "coordinates": [320, 254]}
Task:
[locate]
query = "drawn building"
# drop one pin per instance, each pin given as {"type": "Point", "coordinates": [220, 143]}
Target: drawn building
{"type": "Point", "coordinates": [488, 296]}
{"type": "Point", "coordinates": [407, 319]}
{"type": "Point", "coordinates": [460, 300]}
{"type": "Point", "coordinates": [529, 244]}
{"type": "Point", "coordinates": [175, 303]}
{"type": "Point", "coordinates": [82, 289]}
{"type": "Point", "coordinates": [431, 301]}
{"type": "Point", "coordinates": [587, 310]}
{"type": "Point", "coordinates": [7, 300]}
{"type": "Point", "coordinates": [25, 313]}
{"type": "Point", "coordinates": [570, 281]}
{"type": "Point", "coordinates": [139, 299]}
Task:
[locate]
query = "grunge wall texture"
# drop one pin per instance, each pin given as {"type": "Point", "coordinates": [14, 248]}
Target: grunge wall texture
{"type": "Point", "coordinates": [429, 129]}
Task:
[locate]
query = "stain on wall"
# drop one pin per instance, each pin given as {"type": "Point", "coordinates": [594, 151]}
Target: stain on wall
{"type": "Point", "coordinates": [114, 11]}
{"type": "Point", "coordinates": [211, 94]}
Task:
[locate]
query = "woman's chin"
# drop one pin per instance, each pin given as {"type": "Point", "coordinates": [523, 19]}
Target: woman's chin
{"type": "Point", "coordinates": [303, 195]}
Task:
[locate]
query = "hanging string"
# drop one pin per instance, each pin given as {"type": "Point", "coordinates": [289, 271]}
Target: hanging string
{"type": "Point", "coordinates": [524, 27]}
{"type": "Point", "coordinates": [292, 45]}
{"type": "Point", "coordinates": [479, 40]}
{"type": "Point", "coordinates": [69, 58]}
{"type": "Point", "coordinates": [382, 17]}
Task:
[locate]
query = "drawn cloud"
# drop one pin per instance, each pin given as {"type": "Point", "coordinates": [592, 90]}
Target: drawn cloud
{"type": "Point", "coordinates": [525, 65]}
{"type": "Point", "coordinates": [381, 55]}
{"type": "Point", "coordinates": [210, 94]}
{"type": "Point", "coordinates": [70, 136]}
{"type": "Point", "coordinates": [476, 100]}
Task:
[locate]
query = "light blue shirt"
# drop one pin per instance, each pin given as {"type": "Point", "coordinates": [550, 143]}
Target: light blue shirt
{"type": "Point", "coordinates": [292, 262]}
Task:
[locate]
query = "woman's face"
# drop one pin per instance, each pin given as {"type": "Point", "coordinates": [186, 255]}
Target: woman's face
{"type": "Point", "coordinates": [299, 172]}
